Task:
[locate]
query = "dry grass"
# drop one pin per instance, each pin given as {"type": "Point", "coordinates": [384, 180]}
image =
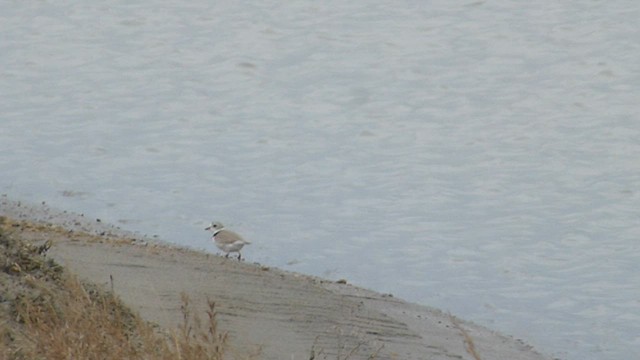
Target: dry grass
{"type": "Point", "coordinates": [468, 341]}
{"type": "Point", "coordinates": [46, 313]}
{"type": "Point", "coordinates": [192, 340]}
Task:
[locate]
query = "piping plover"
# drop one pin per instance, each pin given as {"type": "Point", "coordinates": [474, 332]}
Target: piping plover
{"type": "Point", "coordinates": [226, 240]}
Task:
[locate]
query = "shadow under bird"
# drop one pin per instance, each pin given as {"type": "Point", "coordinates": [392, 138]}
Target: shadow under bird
{"type": "Point", "coordinates": [226, 240]}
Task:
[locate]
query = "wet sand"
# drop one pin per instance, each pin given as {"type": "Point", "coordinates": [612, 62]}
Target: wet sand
{"type": "Point", "coordinates": [267, 311]}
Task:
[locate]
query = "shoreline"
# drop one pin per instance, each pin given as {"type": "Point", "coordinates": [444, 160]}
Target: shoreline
{"type": "Point", "coordinates": [276, 313]}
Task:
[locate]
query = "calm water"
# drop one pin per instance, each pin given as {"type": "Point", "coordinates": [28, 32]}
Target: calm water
{"type": "Point", "coordinates": [480, 157]}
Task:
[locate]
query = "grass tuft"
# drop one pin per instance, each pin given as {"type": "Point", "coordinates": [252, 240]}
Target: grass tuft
{"type": "Point", "coordinates": [469, 345]}
{"type": "Point", "coordinates": [192, 340]}
{"type": "Point", "coordinates": [47, 313]}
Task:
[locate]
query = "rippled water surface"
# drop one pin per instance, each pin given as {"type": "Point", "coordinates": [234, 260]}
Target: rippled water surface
{"type": "Point", "coordinates": [480, 157]}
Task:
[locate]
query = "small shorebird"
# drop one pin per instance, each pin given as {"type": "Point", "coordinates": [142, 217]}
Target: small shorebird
{"type": "Point", "coordinates": [227, 240]}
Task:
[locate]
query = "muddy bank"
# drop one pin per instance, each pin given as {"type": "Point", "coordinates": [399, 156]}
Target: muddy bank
{"type": "Point", "coordinates": [278, 314]}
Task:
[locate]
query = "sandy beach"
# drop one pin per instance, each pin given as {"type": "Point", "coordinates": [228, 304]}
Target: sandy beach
{"type": "Point", "coordinates": [268, 313]}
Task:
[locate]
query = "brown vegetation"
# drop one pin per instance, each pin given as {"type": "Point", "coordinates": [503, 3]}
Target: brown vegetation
{"type": "Point", "coordinates": [47, 313]}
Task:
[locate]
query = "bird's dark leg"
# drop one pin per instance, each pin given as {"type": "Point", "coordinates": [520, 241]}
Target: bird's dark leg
{"type": "Point", "coordinates": [227, 256]}
{"type": "Point", "coordinates": [239, 256]}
